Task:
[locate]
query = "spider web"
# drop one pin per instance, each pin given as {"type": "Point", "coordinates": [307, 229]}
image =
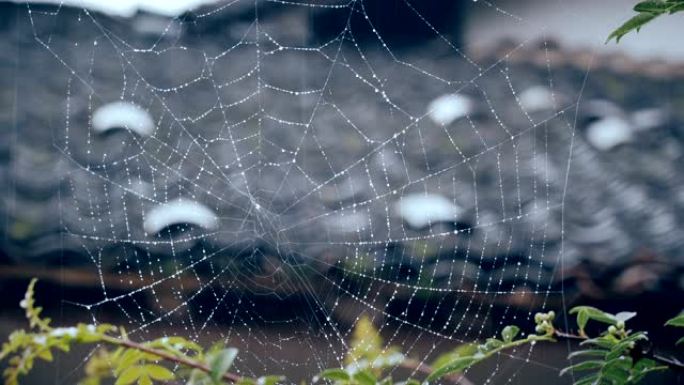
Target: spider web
{"type": "Point", "coordinates": [302, 147]}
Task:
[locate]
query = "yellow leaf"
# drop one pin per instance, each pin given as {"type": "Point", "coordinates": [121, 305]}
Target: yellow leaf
{"type": "Point", "coordinates": [46, 355]}
{"type": "Point", "coordinates": [366, 341]}
{"type": "Point", "coordinates": [158, 372]}
{"type": "Point", "coordinates": [129, 375]}
{"type": "Point", "coordinates": [144, 380]}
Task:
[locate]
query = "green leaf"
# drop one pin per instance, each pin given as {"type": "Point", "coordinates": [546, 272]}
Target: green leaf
{"type": "Point", "coordinates": [652, 7]}
{"type": "Point", "coordinates": [680, 341]}
{"type": "Point", "coordinates": [198, 377]}
{"type": "Point", "coordinates": [129, 358]}
{"type": "Point", "coordinates": [644, 363]}
{"type": "Point", "coordinates": [493, 343]}
{"type": "Point", "coordinates": [638, 336]}
{"type": "Point", "coordinates": [601, 342]}
{"type": "Point", "coordinates": [595, 314]}
{"type": "Point", "coordinates": [46, 355]}
{"type": "Point", "coordinates": [221, 362]}
{"type": "Point", "coordinates": [334, 374]}
{"type": "Point", "coordinates": [129, 375]}
{"type": "Point", "coordinates": [158, 372]}
{"type": "Point", "coordinates": [643, 367]}
{"type": "Point", "coordinates": [585, 365]}
{"type": "Point", "coordinates": [144, 380]}
{"type": "Point", "coordinates": [677, 8]}
{"type": "Point", "coordinates": [460, 351]}
{"type": "Point", "coordinates": [616, 374]}
{"type": "Point", "coordinates": [589, 352]}
{"type": "Point", "coordinates": [457, 365]}
{"type": "Point", "coordinates": [366, 342]}
{"type": "Point", "coordinates": [633, 24]}
{"type": "Point", "coordinates": [509, 333]}
{"type": "Point", "coordinates": [677, 321]}
{"type": "Point", "coordinates": [625, 316]}
{"type": "Point", "coordinates": [364, 377]}
{"type": "Point", "coordinates": [582, 320]}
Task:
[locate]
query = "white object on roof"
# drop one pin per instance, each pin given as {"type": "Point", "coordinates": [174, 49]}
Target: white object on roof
{"type": "Point", "coordinates": [449, 108]}
{"type": "Point", "coordinates": [422, 210]}
{"type": "Point", "coordinates": [179, 211]}
{"type": "Point", "coordinates": [608, 133]}
{"type": "Point", "coordinates": [126, 115]}
{"type": "Point", "coordinates": [649, 118]}
{"type": "Point", "coordinates": [128, 8]}
{"type": "Point", "coordinates": [537, 98]}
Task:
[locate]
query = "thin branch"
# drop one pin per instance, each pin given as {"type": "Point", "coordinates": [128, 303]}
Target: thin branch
{"type": "Point", "coordinates": [671, 362]}
{"type": "Point", "coordinates": [187, 362]}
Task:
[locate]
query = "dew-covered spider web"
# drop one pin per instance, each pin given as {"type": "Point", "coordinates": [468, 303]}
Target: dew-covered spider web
{"type": "Point", "coordinates": [266, 172]}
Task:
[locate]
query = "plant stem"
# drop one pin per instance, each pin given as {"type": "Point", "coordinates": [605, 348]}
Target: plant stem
{"type": "Point", "coordinates": [184, 361]}
{"type": "Point", "coordinates": [672, 363]}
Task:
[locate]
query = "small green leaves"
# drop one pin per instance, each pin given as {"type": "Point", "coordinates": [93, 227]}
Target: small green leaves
{"type": "Point", "coordinates": [347, 377]}
{"type": "Point", "coordinates": [582, 320]}
{"type": "Point", "coordinates": [456, 362]}
{"type": "Point", "coordinates": [144, 374]}
{"type": "Point", "coordinates": [333, 375]}
{"type": "Point", "coordinates": [509, 333]}
{"type": "Point", "coordinates": [366, 343]}
{"type": "Point", "coordinates": [455, 366]}
{"type": "Point", "coordinates": [625, 316]}
{"type": "Point", "coordinates": [33, 312]}
{"type": "Point", "coordinates": [633, 24]}
{"type": "Point", "coordinates": [586, 365]}
{"type": "Point", "coordinates": [586, 313]}
{"type": "Point", "coordinates": [610, 358]}
{"type": "Point", "coordinates": [158, 372]}
{"type": "Point", "coordinates": [652, 6]}
{"type": "Point", "coordinates": [544, 323]}
{"type": "Point", "coordinates": [220, 362]}
{"type": "Point", "coordinates": [129, 375]}
{"type": "Point", "coordinates": [677, 321]}
{"type": "Point", "coordinates": [460, 351]}
{"type": "Point", "coordinates": [364, 377]}
{"type": "Point", "coordinates": [647, 11]}
{"type": "Point", "coordinates": [614, 357]}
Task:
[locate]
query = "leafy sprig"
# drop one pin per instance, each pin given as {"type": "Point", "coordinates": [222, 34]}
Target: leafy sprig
{"type": "Point", "coordinates": [616, 356]}
{"type": "Point", "coordinates": [118, 357]}
{"type": "Point", "coordinates": [647, 11]}
{"type": "Point", "coordinates": [612, 358]}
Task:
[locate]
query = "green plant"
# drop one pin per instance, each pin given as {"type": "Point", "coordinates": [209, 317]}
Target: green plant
{"type": "Point", "coordinates": [647, 11]}
{"type": "Point", "coordinates": [616, 356]}
{"type": "Point", "coordinates": [127, 361]}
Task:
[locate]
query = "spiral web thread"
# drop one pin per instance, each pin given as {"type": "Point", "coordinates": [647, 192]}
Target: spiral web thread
{"type": "Point", "coordinates": [302, 149]}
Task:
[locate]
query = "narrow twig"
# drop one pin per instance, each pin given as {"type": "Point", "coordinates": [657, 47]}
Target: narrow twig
{"type": "Point", "coordinates": [568, 336]}
{"type": "Point", "coordinates": [187, 362]}
{"type": "Point", "coordinates": [673, 363]}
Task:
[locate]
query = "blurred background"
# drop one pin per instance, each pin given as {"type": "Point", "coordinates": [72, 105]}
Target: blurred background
{"type": "Point", "coordinates": [266, 172]}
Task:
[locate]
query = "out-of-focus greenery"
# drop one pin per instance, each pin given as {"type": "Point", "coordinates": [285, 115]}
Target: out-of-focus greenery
{"type": "Point", "coordinates": [646, 12]}
{"type": "Point", "coordinates": [613, 357]}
